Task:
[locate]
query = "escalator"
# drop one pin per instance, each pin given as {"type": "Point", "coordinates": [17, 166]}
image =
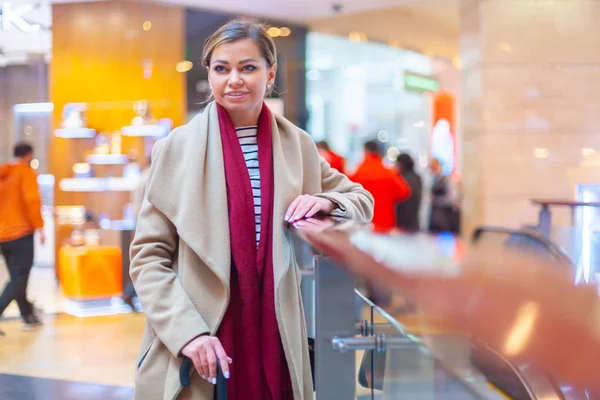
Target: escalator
{"type": "Point", "coordinates": [513, 380]}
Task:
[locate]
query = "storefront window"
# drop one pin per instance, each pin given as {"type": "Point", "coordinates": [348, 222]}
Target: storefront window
{"type": "Point", "coordinates": [358, 91]}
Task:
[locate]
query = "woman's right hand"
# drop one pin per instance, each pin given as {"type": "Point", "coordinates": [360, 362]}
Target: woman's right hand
{"type": "Point", "coordinates": [205, 352]}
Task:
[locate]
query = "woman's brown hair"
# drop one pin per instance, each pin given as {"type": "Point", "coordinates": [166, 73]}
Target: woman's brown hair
{"type": "Point", "coordinates": [240, 29]}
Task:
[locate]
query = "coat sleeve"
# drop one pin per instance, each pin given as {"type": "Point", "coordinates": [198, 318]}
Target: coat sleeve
{"type": "Point", "coordinates": [166, 304]}
{"type": "Point", "coordinates": [353, 201]}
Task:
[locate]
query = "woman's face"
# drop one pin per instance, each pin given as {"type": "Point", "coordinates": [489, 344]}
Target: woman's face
{"type": "Point", "coordinates": [239, 76]}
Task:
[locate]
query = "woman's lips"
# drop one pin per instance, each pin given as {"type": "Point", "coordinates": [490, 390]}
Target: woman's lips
{"type": "Point", "coordinates": [236, 95]}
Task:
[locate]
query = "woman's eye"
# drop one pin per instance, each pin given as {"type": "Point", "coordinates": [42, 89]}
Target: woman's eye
{"type": "Point", "coordinates": [249, 68]}
{"type": "Point", "coordinates": [219, 68]}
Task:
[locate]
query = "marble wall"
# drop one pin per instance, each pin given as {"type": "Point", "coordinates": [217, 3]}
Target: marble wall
{"type": "Point", "coordinates": [529, 104]}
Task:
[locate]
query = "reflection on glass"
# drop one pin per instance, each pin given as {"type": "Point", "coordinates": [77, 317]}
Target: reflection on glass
{"type": "Point", "coordinates": [521, 331]}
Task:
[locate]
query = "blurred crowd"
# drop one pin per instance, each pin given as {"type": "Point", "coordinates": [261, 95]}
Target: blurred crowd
{"type": "Point", "coordinates": [404, 199]}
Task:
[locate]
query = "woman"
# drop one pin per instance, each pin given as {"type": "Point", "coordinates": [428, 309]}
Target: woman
{"type": "Point", "coordinates": [211, 260]}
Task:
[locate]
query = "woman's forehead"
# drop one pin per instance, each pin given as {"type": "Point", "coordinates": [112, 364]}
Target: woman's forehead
{"type": "Point", "coordinates": [237, 51]}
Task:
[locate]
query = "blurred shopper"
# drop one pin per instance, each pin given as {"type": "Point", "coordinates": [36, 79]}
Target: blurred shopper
{"type": "Point", "coordinates": [137, 197]}
{"type": "Point", "coordinates": [407, 211]}
{"type": "Point", "coordinates": [442, 217]}
{"type": "Point", "coordinates": [335, 160]}
{"type": "Point", "coordinates": [386, 186]}
{"type": "Point", "coordinates": [20, 217]}
{"type": "Point", "coordinates": [210, 257]}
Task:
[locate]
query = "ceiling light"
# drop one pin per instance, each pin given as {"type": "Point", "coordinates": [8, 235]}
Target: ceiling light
{"type": "Point", "coordinates": [147, 25]}
{"type": "Point", "coordinates": [274, 31]}
{"type": "Point", "coordinates": [184, 66]}
{"type": "Point", "coordinates": [35, 163]}
{"type": "Point", "coordinates": [285, 31]}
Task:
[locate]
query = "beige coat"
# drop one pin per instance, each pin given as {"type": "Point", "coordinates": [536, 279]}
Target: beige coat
{"type": "Point", "coordinates": [180, 256]}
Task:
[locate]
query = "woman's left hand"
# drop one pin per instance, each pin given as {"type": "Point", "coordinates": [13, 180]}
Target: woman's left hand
{"type": "Point", "coordinates": [306, 206]}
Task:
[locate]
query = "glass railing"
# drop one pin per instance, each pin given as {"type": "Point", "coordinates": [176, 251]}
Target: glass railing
{"type": "Point", "coordinates": [373, 345]}
{"type": "Point", "coordinates": [405, 359]}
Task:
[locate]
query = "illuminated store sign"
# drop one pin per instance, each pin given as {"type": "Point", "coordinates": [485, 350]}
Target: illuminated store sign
{"type": "Point", "coordinates": [15, 17]}
{"type": "Point", "coordinates": [420, 83]}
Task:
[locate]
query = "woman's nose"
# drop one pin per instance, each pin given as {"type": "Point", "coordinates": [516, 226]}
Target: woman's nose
{"type": "Point", "coordinates": [235, 78]}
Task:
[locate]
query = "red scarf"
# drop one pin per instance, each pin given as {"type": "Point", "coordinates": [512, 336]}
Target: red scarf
{"type": "Point", "coordinates": [249, 332]}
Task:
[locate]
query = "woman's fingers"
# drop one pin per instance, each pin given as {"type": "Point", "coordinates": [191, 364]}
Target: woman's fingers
{"type": "Point", "coordinates": [204, 371]}
{"type": "Point", "coordinates": [212, 365]}
{"type": "Point", "coordinates": [299, 207]}
{"type": "Point", "coordinates": [198, 365]}
{"type": "Point", "coordinates": [292, 208]}
{"type": "Point", "coordinates": [205, 352]}
{"type": "Point", "coordinates": [315, 209]}
{"type": "Point", "coordinates": [223, 359]}
{"type": "Point", "coordinates": [303, 209]}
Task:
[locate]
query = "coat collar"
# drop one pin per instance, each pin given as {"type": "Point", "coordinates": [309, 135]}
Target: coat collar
{"type": "Point", "coordinates": [188, 187]}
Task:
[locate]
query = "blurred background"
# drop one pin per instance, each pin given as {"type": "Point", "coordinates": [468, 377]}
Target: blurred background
{"type": "Point", "coordinates": [500, 92]}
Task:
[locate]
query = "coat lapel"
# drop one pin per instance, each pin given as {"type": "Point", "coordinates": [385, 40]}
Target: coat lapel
{"type": "Point", "coordinates": [188, 186]}
{"type": "Point", "coordinates": [287, 168]}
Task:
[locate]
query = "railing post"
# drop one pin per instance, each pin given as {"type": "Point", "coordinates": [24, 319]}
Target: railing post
{"type": "Point", "coordinates": [335, 372]}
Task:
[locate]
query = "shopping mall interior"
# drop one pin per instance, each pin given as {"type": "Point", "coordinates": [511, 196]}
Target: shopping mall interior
{"type": "Point", "coordinates": [490, 292]}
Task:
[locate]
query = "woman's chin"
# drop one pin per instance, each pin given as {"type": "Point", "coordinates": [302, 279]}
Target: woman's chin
{"type": "Point", "coordinates": [240, 106]}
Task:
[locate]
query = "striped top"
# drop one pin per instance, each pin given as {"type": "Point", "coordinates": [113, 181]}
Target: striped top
{"type": "Point", "coordinates": [248, 140]}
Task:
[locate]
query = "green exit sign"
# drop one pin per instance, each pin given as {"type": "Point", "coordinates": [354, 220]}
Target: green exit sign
{"type": "Point", "coordinates": [420, 83]}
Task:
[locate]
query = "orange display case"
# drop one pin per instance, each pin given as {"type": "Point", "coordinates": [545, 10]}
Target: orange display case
{"type": "Point", "coordinates": [90, 273]}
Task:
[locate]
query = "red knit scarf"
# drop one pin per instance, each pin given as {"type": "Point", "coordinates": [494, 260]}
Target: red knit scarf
{"type": "Point", "coordinates": [249, 331]}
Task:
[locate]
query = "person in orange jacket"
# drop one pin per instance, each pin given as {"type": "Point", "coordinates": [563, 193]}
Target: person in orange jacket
{"type": "Point", "coordinates": [20, 217]}
{"type": "Point", "coordinates": [335, 160]}
{"type": "Point", "coordinates": [386, 186]}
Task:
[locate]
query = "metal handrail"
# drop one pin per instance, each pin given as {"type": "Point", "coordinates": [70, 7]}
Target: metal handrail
{"type": "Point", "coordinates": [555, 250]}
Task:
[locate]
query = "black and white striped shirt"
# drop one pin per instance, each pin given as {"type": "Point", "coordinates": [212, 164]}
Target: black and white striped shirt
{"type": "Point", "coordinates": [248, 140]}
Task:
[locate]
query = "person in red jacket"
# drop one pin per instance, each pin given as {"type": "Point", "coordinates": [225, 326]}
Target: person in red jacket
{"type": "Point", "coordinates": [20, 217]}
{"type": "Point", "coordinates": [386, 186]}
{"type": "Point", "coordinates": [335, 160]}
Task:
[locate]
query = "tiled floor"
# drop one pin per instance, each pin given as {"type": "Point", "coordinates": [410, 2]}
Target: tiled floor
{"type": "Point", "coordinates": [100, 350]}
{"type": "Point", "coordinates": [69, 358]}
{"type": "Point", "coordinates": [27, 388]}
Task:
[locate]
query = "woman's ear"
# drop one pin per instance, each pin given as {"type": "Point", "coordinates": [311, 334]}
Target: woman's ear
{"type": "Point", "coordinates": [272, 74]}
